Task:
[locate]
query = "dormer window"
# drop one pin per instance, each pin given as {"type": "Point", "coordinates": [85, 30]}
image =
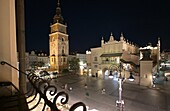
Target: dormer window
{"type": "Point", "coordinates": [95, 58]}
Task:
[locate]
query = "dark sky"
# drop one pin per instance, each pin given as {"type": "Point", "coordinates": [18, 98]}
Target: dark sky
{"type": "Point", "coordinates": [141, 21]}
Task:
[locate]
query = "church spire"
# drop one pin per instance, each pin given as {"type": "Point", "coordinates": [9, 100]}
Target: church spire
{"type": "Point", "coordinates": [121, 36]}
{"type": "Point", "coordinates": [58, 4]}
{"type": "Point", "coordinates": [58, 17]}
{"type": "Point", "coordinates": [111, 37]}
{"type": "Point", "coordinates": [102, 42]}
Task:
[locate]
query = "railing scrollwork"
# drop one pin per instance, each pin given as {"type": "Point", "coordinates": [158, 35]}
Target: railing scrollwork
{"type": "Point", "coordinates": [42, 90]}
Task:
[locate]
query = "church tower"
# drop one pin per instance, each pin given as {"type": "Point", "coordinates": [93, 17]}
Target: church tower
{"type": "Point", "coordinates": [58, 42]}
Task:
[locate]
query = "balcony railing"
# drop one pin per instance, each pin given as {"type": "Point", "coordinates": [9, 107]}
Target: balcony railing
{"type": "Point", "coordinates": [41, 94]}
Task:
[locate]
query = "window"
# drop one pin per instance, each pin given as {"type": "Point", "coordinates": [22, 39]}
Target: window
{"type": "Point", "coordinates": [62, 51]}
{"type": "Point", "coordinates": [62, 39]}
{"type": "Point", "coordinates": [95, 58]}
{"type": "Point", "coordinates": [64, 59]}
{"type": "Point", "coordinates": [95, 66]}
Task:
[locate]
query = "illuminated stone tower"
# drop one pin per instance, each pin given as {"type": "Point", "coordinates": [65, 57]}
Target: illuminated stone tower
{"type": "Point", "coordinates": [58, 41]}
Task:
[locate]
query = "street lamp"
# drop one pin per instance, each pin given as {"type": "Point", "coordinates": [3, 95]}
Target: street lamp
{"type": "Point", "coordinates": [120, 102]}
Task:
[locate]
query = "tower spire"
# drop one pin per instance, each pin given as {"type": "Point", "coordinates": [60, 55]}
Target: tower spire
{"type": "Point", "coordinates": [58, 3]}
{"type": "Point", "coordinates": [58, 17]}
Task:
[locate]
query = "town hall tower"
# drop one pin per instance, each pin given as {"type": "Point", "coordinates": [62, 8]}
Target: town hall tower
{"type": "Point", "coordinates": [58, 42]}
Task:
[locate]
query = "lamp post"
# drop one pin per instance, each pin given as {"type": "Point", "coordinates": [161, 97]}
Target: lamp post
{"type": "Point", "coordinates": [120, 102]}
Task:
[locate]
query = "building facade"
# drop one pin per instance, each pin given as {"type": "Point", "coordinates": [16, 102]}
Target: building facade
{"type": "Point", "coordinates": [37, 60]}
{"type": "Point", "coordinates": [124, 58]}
{"type": "Point", "coordinates": [113, 55]}
{"type": "Point", "coordinates": [82, 63]}
{"type": "Point", "coordinates": [59, 43]}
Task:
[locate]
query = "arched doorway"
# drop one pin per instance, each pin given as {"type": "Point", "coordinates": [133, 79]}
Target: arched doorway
{"type": "Point", "coordinates": [105, 71]}
{"type": "Point", "coordinates": [113, 69]}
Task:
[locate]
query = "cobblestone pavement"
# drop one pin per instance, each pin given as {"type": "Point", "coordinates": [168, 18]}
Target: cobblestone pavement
{"type": "Point", "coordinates": [137, 98]}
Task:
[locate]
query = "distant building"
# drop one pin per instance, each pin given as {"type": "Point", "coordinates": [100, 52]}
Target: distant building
{"type": "Point", "coordinates": [106, 59]}
{"type": "Point", "coordinates": [149, 63]}
{"type": "Point", "coordinates": [82, 62]}
{"type": "Point", "coordinates": [44, 58]}
{"type": "Point", "coordinates": [155, 52]}
{"type": "Point", "coordinates": [38, 57]}
{"type": "Point", "coordinates": [165, 55]}
{"type": "Point", "coordinates": [58, 42]}
{"type": "Point", "coordinates": [32, 58]}
{"type": "Point", "coordinates": [123, 58]}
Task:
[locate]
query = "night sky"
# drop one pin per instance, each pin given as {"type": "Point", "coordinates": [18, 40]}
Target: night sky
{"type": "Point", "coordinates": [141, 21]}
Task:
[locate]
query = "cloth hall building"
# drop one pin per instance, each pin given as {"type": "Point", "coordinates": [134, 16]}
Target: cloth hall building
{"type": "Point", "coordinates": [113, 56]}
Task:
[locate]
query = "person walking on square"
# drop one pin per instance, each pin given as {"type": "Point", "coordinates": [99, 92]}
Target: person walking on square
{"type": "Point", "coordinates": [103, 91]}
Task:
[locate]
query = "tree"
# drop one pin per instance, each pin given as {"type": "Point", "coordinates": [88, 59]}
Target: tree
{"type": "Point", "coordinates": [74, 64]}
{"type": "Point", "coordinates": [40, 64]}
{"type": "Point", "coordinates": [35, 64]}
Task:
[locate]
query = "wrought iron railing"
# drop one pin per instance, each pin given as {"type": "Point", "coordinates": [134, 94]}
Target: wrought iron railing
{"type": "Point", "coordinates": [46, 96]}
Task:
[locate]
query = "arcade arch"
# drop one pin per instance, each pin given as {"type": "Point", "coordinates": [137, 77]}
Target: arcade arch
{"type": "Point", "coordinates": [113, 69]}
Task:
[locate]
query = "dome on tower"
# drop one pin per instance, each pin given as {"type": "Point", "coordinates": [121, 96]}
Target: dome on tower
{"type": "Point", "coordinates": [58, 17]}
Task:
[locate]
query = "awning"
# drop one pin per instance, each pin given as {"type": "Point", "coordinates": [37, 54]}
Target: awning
{"type": "Point", "coordinates": [129, 62]}
{"type": "Point", "coordinates": [111, 55]}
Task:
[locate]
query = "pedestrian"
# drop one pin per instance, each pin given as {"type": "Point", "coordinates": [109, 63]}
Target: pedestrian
{"type": "Point", "coordinates": [96, 74]}
{"type": "Point", "coordinates": [65, 86]}
{"type": "Point", "coordinates": [103, 91]}
{"type": "Point", "coordinates": [87, 94]}
{"type": "Point", "coordinates": [85, 86]}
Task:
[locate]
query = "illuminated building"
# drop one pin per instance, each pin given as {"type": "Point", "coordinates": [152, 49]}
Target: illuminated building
{"type": "Point", "coordinates": [106, 59]}
{"type": "Point", "coordinates": [58, 42]}
{"type": "Point", "coordinates": [123, 55]}
{"type": "Point", "coordinates": [82, 63]}
{"type": "Point", "coordinates": [149, 63]}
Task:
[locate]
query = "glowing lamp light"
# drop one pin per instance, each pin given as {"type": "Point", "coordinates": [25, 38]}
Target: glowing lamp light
{"type": "Point", "coordinates": [131, 79]}
{"type": "Point", "coordinates": [111, 76]}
